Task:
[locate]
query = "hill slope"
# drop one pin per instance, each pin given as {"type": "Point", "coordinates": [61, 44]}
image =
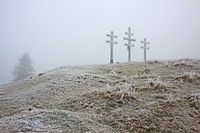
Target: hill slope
{"type": "Point", "coordinates": [155, 96]}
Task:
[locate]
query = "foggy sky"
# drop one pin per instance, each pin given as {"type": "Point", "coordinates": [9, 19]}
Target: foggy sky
{"type": "Point", "coordinates": [73, 32]}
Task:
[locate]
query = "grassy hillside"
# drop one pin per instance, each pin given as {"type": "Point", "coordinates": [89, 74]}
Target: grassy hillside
{"type": "Point", "coordinates": [155, 96]}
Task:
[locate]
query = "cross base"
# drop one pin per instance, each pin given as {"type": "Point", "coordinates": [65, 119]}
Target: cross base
{"type": "Point", "coordinates": [111, 60]}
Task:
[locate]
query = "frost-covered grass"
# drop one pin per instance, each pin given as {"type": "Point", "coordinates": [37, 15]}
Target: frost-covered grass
{"type": "Point", "coordinates": [126, 97]}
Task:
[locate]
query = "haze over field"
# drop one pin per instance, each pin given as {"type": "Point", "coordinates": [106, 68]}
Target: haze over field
{"type": "Point", "coordinates": [60, 33]}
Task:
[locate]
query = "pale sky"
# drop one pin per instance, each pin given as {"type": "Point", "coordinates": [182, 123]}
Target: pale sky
{"type": "Point", "coordinates": [73, 32]}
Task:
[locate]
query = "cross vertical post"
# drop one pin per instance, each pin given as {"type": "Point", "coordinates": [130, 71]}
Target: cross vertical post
{"type": "Point", "coordinates": [129, 45]}
{"type": "Point", "coordinates": [111, 41]}
{"type": "Point", "coordinates": [145, 47]}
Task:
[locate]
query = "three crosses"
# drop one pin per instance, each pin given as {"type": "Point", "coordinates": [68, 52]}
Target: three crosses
{"type": "Point", "coordinates": [129, 45]}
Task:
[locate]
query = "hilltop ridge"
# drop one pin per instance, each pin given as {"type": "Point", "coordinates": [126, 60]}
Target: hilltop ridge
{"type": "Point", "coordinates": [152, 96]}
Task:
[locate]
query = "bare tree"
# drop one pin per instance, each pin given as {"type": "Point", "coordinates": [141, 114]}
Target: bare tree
{"type": "Point", "coordinates": [24, 68]}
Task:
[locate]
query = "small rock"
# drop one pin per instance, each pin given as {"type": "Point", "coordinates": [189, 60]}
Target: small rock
{"type": "Point", "coordinates": [30, 109]}
{"type": "Point", "coordinates": [40, 74]}
{"type": "Point", "coordinates": [26, 129]}
{"type": "Point", "coordinates": [90, 105]}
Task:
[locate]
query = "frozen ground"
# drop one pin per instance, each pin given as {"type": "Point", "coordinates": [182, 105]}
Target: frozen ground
{"type": "Point", "coordinates": [155, 96]}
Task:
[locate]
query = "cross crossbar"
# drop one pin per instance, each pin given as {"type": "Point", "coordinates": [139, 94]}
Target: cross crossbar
{"type": "Point", "coordinates": [145, 47]}
{"type": "Point", "coordinates": [129, 39]}
{"type": "Point", "coordinates": [144, 42]}
{"type": "Point", "coordinates": [129, 33]}
{"type": "Point", "coordinates": [111, 42]}
{"type": "Point", "coordinates": [113, 36]}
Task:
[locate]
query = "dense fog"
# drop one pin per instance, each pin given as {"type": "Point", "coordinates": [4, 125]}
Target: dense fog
{"type": "Point", "coordinates": [73, 32]}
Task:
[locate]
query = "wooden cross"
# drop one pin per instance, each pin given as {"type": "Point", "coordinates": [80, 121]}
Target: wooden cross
{"type": "Point", "coordinates": [129, 45]}
{"type": "Point", "coordinates": [145, 47]}
{"type": "Point", "coordinates": [112, 36]}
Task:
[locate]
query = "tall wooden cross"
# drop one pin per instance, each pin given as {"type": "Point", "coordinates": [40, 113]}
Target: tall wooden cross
{"type": "Point", "coordinates": [129, 45]}
{"type": "Point", "coordinates": [145, 47]}
{"type": "Point", "coordinates": [112, 36]}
